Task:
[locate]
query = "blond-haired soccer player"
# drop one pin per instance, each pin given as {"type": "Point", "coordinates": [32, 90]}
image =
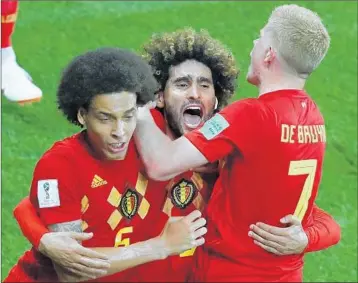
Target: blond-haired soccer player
{"type": "Point", "coordinates": [272, 149]}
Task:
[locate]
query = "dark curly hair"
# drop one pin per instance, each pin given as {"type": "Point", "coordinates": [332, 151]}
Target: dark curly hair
{"type": "Point", "coordinates": [103, 71]}
{"type": "Point", "coordinates": [170, 49]}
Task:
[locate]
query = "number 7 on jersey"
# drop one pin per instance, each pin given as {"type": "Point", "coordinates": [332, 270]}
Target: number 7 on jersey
{"type": "Point", "coordinates": [303, 167]}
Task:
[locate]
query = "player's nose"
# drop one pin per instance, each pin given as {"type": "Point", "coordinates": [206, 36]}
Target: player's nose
{"type": "Point", "coordinates": [194, 93]}
{"type": "Point", "coordinates": [118, 129]}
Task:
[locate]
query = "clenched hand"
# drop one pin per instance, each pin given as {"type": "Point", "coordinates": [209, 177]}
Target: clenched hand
{"type": "Point", "coordinates": [183, 233]}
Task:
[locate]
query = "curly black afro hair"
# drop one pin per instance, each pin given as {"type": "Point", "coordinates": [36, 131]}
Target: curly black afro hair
{"type": "Point", "coordinates": [104, 71]}
{"type": "Point", "coordinates": [170, 49]}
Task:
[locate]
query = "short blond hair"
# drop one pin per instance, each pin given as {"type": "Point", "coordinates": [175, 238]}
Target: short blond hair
{"type": "Point", "coordinates": [299, 36]}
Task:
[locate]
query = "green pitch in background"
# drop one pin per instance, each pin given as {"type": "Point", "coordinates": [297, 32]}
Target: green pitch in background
{"type": "Point", "coordinates": [49, 34]}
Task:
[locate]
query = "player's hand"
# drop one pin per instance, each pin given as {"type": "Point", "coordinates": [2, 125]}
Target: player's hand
{"type": "Point", "coordinates": [65, 251]}
{"type": "Point", "coordinates": [280, 241]}
{"type": "Point", "coordinates": [64, 275]}
{"type": "Point", "coordinates": [183, 233]}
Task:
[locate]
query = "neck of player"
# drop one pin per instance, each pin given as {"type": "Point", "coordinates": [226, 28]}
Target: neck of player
{"type": "Point", "coordinates": [275, 83]}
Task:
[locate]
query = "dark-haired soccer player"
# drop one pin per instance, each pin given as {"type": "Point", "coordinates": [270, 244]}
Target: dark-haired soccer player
{"type": "Point", "coordinates": [89, 180]}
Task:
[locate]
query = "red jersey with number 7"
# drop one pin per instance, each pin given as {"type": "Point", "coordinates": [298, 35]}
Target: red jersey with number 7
{"type": "Point", "coordinates": [274, 148]}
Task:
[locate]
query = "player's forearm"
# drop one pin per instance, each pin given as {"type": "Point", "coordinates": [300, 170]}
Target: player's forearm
{"type": "Point", "coordinates": [162, 157]}
{"type": "Point", "coordinates": [324, 231]}
{"type": "Point", "coordinates": [30, 223]}
{"type": "Point", "coordinates": [134, 255]}
{"type": "Point", "coordinates": [121, 258]}
{"type": "Point", "coordinates": [155, 149]}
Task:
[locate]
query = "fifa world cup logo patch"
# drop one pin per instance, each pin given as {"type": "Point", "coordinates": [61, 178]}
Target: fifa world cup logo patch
{"type": "Point", "coordinates": [183, 193]}
{"type": "Point", "coordinates": [47, 189]}
{"type": "Point", "coordinates": [129, 204]}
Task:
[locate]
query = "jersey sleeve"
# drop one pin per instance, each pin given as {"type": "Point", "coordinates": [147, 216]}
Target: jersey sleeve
{"type": "Point", "coordinates": [30, 223]}
{"type": "Point", "coordinates": [53, 190]}
{"type": "Point", "coordinates": [233, 128]}
{"type": "Point", "coordinates": [323, 232]}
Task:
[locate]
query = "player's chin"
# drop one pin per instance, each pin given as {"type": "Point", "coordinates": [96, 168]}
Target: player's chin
{"type": "Point", "coordinates": [116, 155]}
{"type": "Point", "coordinates": [252, 78]}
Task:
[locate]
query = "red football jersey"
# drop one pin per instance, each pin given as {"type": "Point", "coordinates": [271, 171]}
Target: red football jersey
{"type": "Point", "coordinates": [109, 196]}
{"type": "Point", "coordinates": [274, 148]}
{"type": "Point", "coordinates": [185, 193]}
{"type": "Point", "coordinates": [182, 195]}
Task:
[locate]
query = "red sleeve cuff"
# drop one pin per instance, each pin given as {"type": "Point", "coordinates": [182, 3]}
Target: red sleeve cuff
{"type": "Point", "coordinates": [323, 231]}
{"type": "Point", "coordinates": [309, 237]}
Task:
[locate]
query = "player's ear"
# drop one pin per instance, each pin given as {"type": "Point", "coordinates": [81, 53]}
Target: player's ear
{"type": "Point", "coordinates": [270, 56]}
{"type": "Point", "coordinates": [160, 99]}
{"type": "Point", "coordinates": [81, 116]}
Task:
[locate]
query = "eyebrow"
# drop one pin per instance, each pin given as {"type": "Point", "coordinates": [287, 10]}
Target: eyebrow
{"type": "Point", "coordinates": [188, 78]}
{"type": "Point", "coordinates": [110, 115]}
{"type": "Point", "coordinates": [130, 110]}
{"type": "Point", "coordinates": [181, 79]}
{"type": "Point", "coordinates": [104, 114]}
{"type": "Point", "coordinates": [204, 79]}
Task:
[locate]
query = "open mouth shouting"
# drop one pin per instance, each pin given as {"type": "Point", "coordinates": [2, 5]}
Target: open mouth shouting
{"type": "Point", "coordinates": [193, 115]}
{"type": "Point", "coordinates": [116, 147]}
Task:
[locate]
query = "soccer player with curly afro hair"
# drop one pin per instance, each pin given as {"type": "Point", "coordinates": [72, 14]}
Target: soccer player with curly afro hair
{"type": "Point", "coordinates": [197, 75]}
{"type": "Point", "coordinates": [88, 182]}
